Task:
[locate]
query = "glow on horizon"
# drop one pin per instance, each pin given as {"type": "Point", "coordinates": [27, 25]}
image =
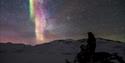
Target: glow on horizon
{"type": "Point", "coordinates": [37, 15]}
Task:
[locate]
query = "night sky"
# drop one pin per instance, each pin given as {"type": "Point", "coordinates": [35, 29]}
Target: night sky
{"type": "Point", "coordinates": [65, 19]}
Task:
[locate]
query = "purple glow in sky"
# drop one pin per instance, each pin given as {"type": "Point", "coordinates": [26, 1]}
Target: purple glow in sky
{"type": "Point", "coordinates": [61, 19]}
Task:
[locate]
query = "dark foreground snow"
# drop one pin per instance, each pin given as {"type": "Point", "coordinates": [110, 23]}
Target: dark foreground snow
{"type": "Point", "coordinates": [54, 52]}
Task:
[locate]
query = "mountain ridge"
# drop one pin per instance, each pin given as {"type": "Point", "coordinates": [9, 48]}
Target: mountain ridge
{"type": "Point", "coordinates": [65, 40]}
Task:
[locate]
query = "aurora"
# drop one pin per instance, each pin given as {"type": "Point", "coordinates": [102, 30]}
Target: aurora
{"type": "Point", "coordinates": [42, 21]}
{"type": "Point", "coordinates": [38, 17]}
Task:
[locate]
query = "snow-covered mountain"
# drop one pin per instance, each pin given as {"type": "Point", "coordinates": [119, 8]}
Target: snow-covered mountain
{"type": "Point", "coordinates": [54, 52]}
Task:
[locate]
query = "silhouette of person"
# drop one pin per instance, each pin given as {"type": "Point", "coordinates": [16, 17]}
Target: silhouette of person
{"type": "Point", "coordinates": [83, 48]}
{"type": "Point", "coordinates": [91, 46]}
{"type": "Point", "coordinates": [81, 55]}
{"type": "Point", "coordinates": [87, 52]}
{"type": "Point", "coordinates": [91, 43]}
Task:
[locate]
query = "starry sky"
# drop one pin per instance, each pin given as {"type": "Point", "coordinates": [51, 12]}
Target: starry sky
{"type": "Point", "coordinates": [65, 19]}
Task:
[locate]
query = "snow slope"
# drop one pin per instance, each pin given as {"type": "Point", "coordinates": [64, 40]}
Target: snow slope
{"type": "Point", "coordinates": [54, 52]}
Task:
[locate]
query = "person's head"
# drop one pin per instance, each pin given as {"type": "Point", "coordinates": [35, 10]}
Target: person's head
{"type": "Point", "coordinates": [90, 35]}
{"type": "Point", "coordinates": [82, 47]}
